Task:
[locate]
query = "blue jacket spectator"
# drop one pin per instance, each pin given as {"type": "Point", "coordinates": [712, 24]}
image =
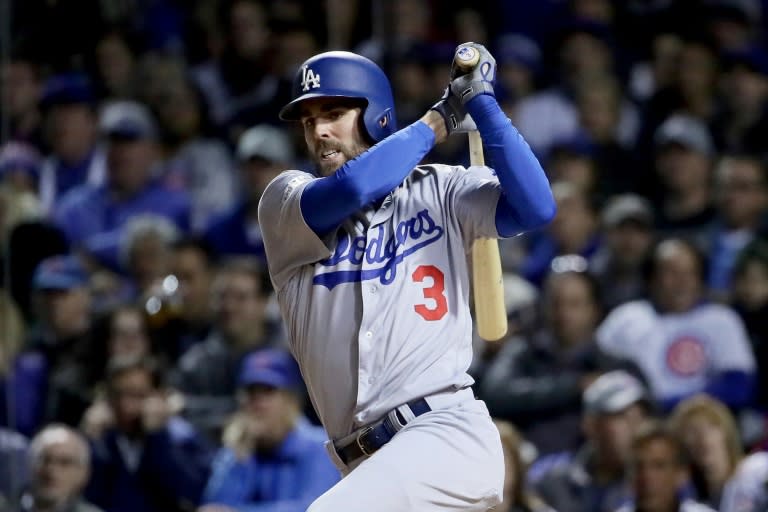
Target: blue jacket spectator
{"type": "Point", "coordinates": [273, 459]}
{"type": "Point", "coordinates": [574, 230]}
{"type": "Point", "coordinates": [56, 371]}
{"type": "Point", "coordinates": [288, 479]}
{"type": "Point", "coordinates": [76, 157]}
{"type": "Point", "coordinates": [263, 151]}
{"type": "Point", "coordinates": [92, 217]}
{"type": "Point", "coordinates": [144, 457]}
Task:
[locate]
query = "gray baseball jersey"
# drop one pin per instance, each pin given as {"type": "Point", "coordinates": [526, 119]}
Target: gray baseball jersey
{"type": "Point", "coordinates": [377, 312]}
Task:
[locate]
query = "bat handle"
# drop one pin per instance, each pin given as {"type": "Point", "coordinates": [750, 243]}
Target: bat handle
{"type": "Point", "coordinates": [466, 58]}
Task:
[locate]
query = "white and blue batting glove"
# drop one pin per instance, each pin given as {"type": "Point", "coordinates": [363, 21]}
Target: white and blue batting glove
{"type": "Point", "coordinates": [481, 79]}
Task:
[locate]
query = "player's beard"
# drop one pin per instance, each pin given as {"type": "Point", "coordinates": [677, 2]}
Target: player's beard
{"type": "Point", "coordinates": [346, 151]}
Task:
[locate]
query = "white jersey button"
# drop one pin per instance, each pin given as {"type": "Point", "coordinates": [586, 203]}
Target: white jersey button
{"type": "Point", "coordinates": [369, 334]}
{"type": "Point", "coordinates": [374, 289]}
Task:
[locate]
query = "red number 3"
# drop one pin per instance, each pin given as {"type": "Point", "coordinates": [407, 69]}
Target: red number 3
{"type": "Point", "coordinates": [434, 292]}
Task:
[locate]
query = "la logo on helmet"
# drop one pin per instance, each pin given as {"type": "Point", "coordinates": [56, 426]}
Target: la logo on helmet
{"type": "Point", "coordinates": [309, 79]}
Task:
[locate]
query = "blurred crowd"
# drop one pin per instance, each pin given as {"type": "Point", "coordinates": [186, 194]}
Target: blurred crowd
{"type": "Point", "coordinates": [143, 362]}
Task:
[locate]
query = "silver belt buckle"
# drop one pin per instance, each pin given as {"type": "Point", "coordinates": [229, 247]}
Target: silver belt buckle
{"type": "Point", "coordinates": [363, 432]}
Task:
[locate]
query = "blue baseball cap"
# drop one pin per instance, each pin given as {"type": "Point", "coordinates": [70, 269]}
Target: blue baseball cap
{"type": "Point", "coordinates": [518, 49]}
{"type": "Point", "coordinates": [67, 89]}
{"type": "Point", "coordinates": [62, 272]}
{"type": "Point", "coordinates": [270, 367]}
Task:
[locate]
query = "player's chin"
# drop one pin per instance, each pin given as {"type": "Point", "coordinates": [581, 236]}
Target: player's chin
{"type": "Point", "coordinates": [327, 168]}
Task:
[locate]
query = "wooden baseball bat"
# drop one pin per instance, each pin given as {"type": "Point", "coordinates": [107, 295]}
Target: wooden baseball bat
{"type": "Point", "coordinates": [488, 285]}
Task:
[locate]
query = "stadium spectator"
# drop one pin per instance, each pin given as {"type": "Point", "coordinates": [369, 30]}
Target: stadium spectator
{"type": "Point", "coordinates": [207, 373]}
{"type": "Point", "coordinates": [93, 217]}
{"type": "Point", "coordinates": [537, 383]}
{"type": "Point", "coordinates": [22, 375]}
{"type": "Point", "coordinates": [750, 300]}
{"type": "Point", "coordinates": [683, 162]}
{"type": "Point", "coordinates": [22, 80]}
{"type": "Point", "coordinates": [60, 466]}
{"type": "Point", "coordinates": [71, 132]}
{"type": "Point", "coordinates": [64, 338]}
{"type": "Point", "coordinates": [741, 188]}
{"type": "Point", "coordinates": [517, 497]}
{"type": "Point", "coordinates": [194, 158]}
{"type": "Point", "coordinates": [115, 64]}
{"type": "Point", "coordinates": [239, 78]}
{"type": "Point", "coordinates": [272, 457]}
{"type": "Point", "coordinates": [710, 436]}
{"type": "Point", "coordinates": [747, 490]}
{"type": "Point", "coordinates": [593, 479]}
{"type": "Point", "coordinates": [519, 62]}
{"type": "Point", "coordinates": [658, 472]}
{"type": "Point", "coordinates": [683, 344]}
{"type": "Point", "coordinates": [743, 119]}
{"type": "Point", "coordinates": [627, 222]}
{"type": "Point", "coordinates": [144, 456]}
{"type": "Point", "coordinates": [146, 251]}
{"type": "Point", "coordinates": [574, 230]}
{"type": "Point", "coordinates": [190, 317]}
{"type": "Point", "coordinates": [263, 151]}
{"type": "Point", "coordinates": [584, 49]}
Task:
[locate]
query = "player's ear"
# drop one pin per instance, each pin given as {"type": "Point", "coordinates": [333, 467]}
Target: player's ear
{"type": "Point", "coordinates": [362, 128]}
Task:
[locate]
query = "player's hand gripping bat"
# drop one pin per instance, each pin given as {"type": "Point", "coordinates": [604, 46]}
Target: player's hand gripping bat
{"type": "Point", "coordinates": [490, 313]}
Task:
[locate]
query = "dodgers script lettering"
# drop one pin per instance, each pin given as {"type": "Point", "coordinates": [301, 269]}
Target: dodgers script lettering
{"type": "Point", "coordinates": [409, 236]}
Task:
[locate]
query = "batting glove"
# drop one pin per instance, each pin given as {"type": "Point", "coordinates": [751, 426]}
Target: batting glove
{"type": "Point", "coordinates": [456, 118]}
{"type": "Point", "coordinates": [479, 80]}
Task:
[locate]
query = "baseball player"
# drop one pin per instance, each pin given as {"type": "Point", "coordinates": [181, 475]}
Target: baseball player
{"type": "Point", "coordinates": [368, 259]}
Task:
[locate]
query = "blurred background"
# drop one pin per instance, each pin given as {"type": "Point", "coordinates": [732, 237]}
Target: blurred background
{"type": "Point", "coordinates": [136, 138]}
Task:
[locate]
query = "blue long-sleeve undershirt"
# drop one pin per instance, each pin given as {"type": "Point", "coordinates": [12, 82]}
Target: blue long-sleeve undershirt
{"type": "Point", "coordinates": [525, 204]}
{"type": "Point", "coordinates": [326, 202]}
{"type": "Point", "coordinates": [526, 201]}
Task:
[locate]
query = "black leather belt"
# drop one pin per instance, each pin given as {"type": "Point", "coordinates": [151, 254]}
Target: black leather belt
{"type": "Point", "coordinates": [371, 438]}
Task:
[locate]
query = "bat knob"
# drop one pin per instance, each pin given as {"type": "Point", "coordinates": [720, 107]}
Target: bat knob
{"type": "Point", "coordinates": [466, 58]}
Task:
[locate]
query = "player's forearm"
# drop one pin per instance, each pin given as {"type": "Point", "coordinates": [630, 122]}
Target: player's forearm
{"type": "Point", "coordinates": [527, 201]}
{"type": "Point", "coordinates": [326, 202]}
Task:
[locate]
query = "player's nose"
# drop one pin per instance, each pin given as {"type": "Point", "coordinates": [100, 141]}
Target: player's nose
{"type": "Point", "coordinates": [321, 129]}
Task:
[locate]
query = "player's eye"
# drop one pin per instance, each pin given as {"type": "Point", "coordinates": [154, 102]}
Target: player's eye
{"type": "Point", "coordinates": [308, 122]}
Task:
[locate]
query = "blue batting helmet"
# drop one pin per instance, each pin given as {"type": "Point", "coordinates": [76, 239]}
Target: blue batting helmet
{"type": "Point", "coordinates": [346, 75]}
